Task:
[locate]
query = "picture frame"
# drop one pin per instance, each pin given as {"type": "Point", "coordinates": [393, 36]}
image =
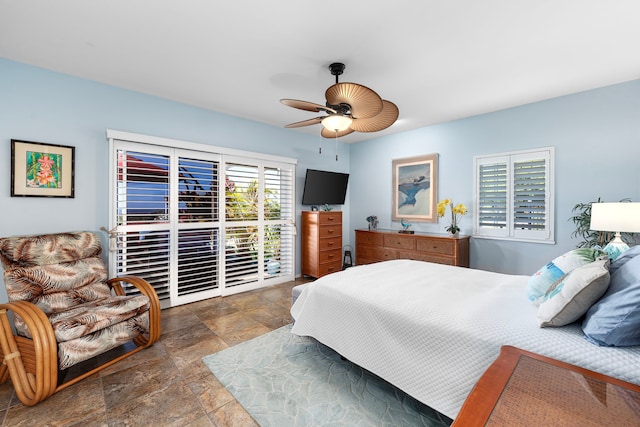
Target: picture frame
{"type": "Point", "coordinates": [415, 184]}
{"type": "Point", "coordinates": [42, 170]}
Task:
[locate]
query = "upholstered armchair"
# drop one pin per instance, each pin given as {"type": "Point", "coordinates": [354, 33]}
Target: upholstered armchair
{"type": "Point", "coordinates": [65, 311]}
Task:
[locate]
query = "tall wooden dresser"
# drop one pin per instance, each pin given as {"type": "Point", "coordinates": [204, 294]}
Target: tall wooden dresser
{"type": "Point", "coordinates": [321, 242]}
{"type": "Point", "coordinates": [381, 245]}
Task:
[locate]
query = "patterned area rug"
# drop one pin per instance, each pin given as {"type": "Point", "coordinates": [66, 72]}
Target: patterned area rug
{"type": "Point", "coordinates": [282, 380]}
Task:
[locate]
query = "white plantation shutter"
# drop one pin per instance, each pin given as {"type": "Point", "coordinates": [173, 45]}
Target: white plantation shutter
{"type": "Point", "coordinates": [514, 195]}
{"type": "Point", "coordinates": [531, 195]}
{"type": "Point", "coordinates": [492, 197]}
{"type": "Point", "coordinates": [242, 193]}
{"type": "Point", "coordinates": [198, 225]}
{"type": "Point", "coordinates": [259, 229]}
{"type": "Point", "coordinates": [142, 195]}
{"type": "Point", "coordinates": [279, 211]}
{"type": "Point", "coordinates": [195, 223]}
{"type": "Point", "coordinates": [145, 254]}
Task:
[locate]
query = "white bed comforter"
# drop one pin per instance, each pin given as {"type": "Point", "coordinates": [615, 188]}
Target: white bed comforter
{"type": "Point", "coordinates": [432, 330]}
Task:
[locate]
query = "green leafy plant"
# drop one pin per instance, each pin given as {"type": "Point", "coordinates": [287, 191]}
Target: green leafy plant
{"type": "Point", "coordinates": [582, 221]}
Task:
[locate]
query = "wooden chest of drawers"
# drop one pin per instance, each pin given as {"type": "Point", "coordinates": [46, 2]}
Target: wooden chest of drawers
{"type": "Point", "coordinates": [321, 242]}
{"type": "Point", "coordinates": [381, 245]}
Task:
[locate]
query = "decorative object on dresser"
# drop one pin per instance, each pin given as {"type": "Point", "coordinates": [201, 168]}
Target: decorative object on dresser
{"type": "Point", "coordinates": [456, 211]}
{"type": "Point", "coordinates": [414, 188]}
{"type": "Point", "coordinates": [405, 227]}
{"type": "Point", "coordinates": [321, 242]}
{"type": "Point", "coordinates": [373, 222]}
{"type": "Point", "coordinates": [381, 245]}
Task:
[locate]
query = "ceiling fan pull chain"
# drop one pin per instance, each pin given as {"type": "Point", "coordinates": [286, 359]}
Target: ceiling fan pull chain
{"type": "Point", "coordinates": [320, 144]}
{"type": "Point", "coordinates": [336, 141]}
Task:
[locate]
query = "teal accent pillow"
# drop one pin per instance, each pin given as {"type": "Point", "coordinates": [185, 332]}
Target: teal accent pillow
{"type": "Point", "coordinates": [568, 300]}
{"type": "Point", "coordinates": [554, 271]}
{"type": "Point", "coordinates": [615, 319]}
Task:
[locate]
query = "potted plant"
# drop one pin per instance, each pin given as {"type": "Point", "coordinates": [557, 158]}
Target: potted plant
{"type": "Point", "coordinates": [582, 221]}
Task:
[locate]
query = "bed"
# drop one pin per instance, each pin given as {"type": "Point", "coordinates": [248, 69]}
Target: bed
{"type": "Point", "coordinates": [432, 330]}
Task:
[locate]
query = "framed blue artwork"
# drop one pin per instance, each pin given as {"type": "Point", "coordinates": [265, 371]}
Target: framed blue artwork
{"type": "Point", "coordinates": [415, 183]}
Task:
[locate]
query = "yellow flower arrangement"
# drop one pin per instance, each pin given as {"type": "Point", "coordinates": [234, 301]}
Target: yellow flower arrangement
{"type": "Point", "coordinates": [456, 212]}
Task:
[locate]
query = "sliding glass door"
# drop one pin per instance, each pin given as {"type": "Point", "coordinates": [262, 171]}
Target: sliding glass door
{"type": "Point", "coordinates": [197, 224]}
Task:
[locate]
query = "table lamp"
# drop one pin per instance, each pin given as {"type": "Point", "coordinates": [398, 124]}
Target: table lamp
{"type": "Point", "coordinates": [617, 218]}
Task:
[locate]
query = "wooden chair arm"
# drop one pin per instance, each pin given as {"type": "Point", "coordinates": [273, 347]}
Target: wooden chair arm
{"type": "Point", "coordinates": [142, 285]}
{"type": "Point", "coordinates": [154, 304]}
{"type": "Point", "coordinates": [32, 364]}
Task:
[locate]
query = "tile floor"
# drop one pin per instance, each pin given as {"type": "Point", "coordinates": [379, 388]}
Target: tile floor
{"type": "Point", "coordinates": [166, 384]}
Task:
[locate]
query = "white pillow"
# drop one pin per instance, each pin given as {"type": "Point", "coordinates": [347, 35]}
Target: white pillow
{"type": "Point", "coordinates": [570, 298]}
{"type": "Point", "coordinates": [556, 271]}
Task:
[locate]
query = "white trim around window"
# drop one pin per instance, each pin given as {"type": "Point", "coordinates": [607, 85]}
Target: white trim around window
{"type": "Point", "coordinates": [514, 196]}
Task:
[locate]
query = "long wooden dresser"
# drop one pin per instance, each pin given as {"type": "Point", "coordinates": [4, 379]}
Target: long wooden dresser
{"type": "Point", "coordinates": [321, 242]}
{"type": "Point", "coordinates": [381, 245]}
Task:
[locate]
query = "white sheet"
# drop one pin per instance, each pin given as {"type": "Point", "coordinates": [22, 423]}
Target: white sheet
{"type": "Point", "coordinates": [432, 330]}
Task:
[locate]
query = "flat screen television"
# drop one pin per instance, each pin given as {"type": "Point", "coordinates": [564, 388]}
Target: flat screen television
{"type": "Point", "coordinates": [324, 188]}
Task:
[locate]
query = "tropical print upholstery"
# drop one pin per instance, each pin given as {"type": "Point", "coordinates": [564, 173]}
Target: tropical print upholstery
{"type": "Point", "coordinates": [65, 276]}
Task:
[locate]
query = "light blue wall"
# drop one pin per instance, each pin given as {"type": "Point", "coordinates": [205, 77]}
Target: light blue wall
{"type": "Point", "coordinates": [596, 135]}
{"type": "Point", "coordinates": [44, 106]}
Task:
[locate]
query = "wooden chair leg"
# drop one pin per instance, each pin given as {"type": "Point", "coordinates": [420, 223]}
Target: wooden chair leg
{"type": "Point", "coordinates": [4, 373]}
{"type": "Point", "coordinates": [31, 363]}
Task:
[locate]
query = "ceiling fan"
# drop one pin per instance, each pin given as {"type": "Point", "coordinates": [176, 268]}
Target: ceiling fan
{"type": "Point", "coordinates": [350, 107]}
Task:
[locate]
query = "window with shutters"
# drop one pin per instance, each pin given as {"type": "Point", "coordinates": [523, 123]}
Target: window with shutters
{"type": "Point", "coordinates": [196, 223]}
{"type": "Point", "coordinates": [514, 196]}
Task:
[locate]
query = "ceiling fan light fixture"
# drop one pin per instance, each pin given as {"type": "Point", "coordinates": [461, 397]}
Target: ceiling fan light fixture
{"type": "Point", "coordinates": [351, 107]}
{"type": "Point", "coordinates": [336, 122]}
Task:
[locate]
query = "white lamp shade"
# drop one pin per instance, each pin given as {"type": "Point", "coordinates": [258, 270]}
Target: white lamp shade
{"type": "Point", "coordinates": [616, 217]}
{"type": "Point", "coordinates": [336, 122]}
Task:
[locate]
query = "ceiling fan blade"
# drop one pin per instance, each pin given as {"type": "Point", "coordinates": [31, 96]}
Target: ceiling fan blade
{"type": "Point", "coordinates": [363, 101]}
{"type": "Point", "coordinates": [306, 105]}
{"type": "Point", "coordinates": [326, 133]}
{"type": "Point", "coordinates": [308, 122]}
{"type": "Point", "coordinates": [383, 120]}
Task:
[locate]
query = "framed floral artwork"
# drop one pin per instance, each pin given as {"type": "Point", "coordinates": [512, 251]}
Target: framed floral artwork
{"type": "Point", "coordinates": [415, 183]}
{"type": "Point", "coordinates": [41, 170]}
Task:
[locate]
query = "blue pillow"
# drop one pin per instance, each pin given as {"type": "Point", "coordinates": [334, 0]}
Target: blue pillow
{"type": "Point", "coordinates": [615, 319]}
{"type": "Point", "coordinates": [624, 257]}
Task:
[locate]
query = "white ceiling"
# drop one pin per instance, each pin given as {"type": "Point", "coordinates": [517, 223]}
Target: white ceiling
{"type": "Point", "coordinates": [436, 60]}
